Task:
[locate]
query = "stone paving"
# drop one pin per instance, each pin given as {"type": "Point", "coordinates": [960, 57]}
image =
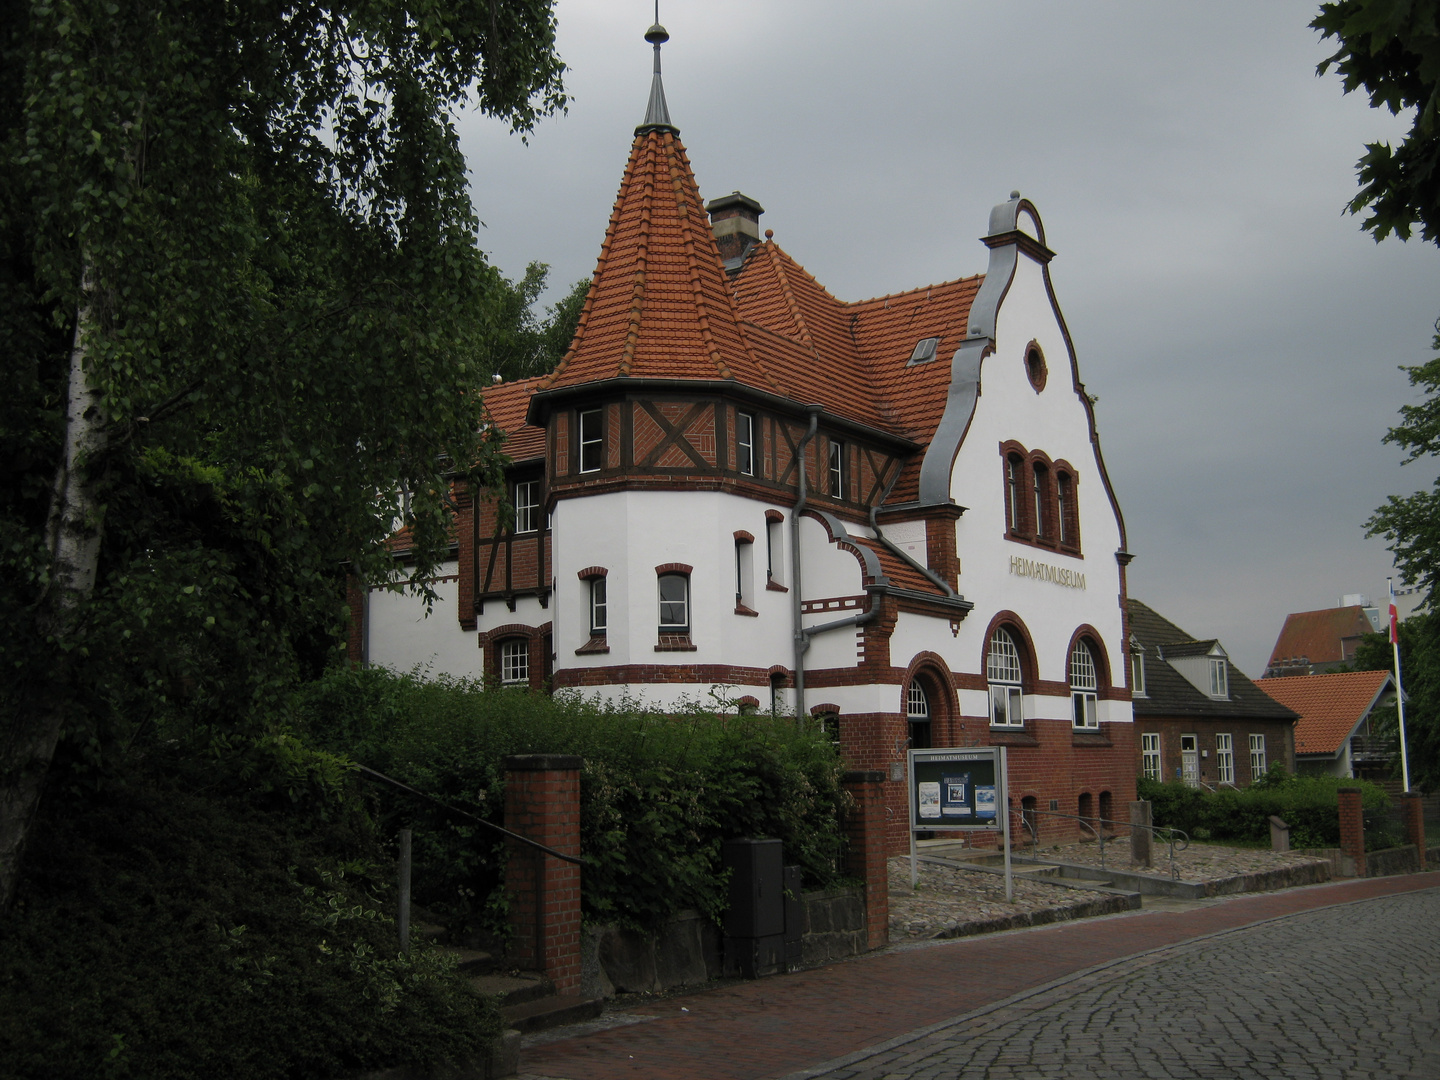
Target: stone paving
{"type": "Point", "coordinates": [1198, 862]}
{"type": "Point", "coordinates": [947, 899]}
{"type": "Point", "coordinates": [1350, 991]}
{"type": "Point", "coordinates": [1282, 991]}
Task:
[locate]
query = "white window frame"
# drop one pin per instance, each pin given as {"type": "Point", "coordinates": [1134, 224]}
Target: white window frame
{"type": "Point", "coordinates": [599, 607]}
{"type": "Point", "coordinates": [1084, 689]}
{"type": "Point", "coordinates": [1257, 757]}
{"type": "Point", "coordinates": [745, 443]}
{"type": "Point", "coordinates": [837, 470]}
{"type": "Point", "coordinates": [527, 505]}
{"type": "Point", "coordinates": [1219, 678]}
{"type": "Point", "coordinates": [673, 627]}
{"type": "Point", "coordinates": [515, 662]}
{"type": "Point", "coordinates": [917, 711]}
{"type": "Point", "coordinates": [744, 573]}
{"type": "Point", "coordinates": [1224, 759]}
{"type": "Point", "coordinates": [1038, 478]}
{"type": "Point", "coordinates": [1150, 764]}
{"type": "Point", "coordinates": [1016, 492]}
{"type": "Point", "coordinates": [1062, 506]}
{"type": "Point", "coordinates": [1004, 672]}
{"type": "Point", "coordinates": [1137, 672]}
{"type": "Point", "coordinates": [590, 434]}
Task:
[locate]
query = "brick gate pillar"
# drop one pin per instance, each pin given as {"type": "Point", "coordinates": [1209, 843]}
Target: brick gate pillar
{"type": "Point", "coordinates": [1412, 807]}
{"type": "Point", "coordinates": [542, 803]}
{"type": "Point", "coordinates": [866, 858]}
{"type": "Point", "coordinates": [1352, 828]}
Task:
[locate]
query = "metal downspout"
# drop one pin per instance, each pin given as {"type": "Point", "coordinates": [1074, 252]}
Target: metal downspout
{"type": "Point", "coordinates": [890, 546]}
{"type": "Point", "coordinates": [802, 640]}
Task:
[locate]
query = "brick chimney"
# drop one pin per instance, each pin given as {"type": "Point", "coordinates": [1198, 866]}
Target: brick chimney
{"type": "Point", "coordinates": [735, 220]}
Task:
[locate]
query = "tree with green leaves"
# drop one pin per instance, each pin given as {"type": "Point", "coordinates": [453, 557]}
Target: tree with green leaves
{"type": "Point", "coordinates": [243, 320]}
{"type": "Point", "coordinates": [523, 344]}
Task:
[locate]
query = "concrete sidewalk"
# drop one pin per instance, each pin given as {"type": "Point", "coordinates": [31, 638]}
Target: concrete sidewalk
{"type": "Point", "coordinates": [782, 1025]}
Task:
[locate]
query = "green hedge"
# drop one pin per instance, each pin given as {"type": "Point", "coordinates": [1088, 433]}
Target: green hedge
{"type": "Point", "coordinates": [659, 792]}
{"type": "Point", "coordinates": [1308, 804]}
{"type": "Point", "coordinates": [192, 916]}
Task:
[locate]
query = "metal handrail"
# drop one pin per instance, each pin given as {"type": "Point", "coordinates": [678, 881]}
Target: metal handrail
{"type": "Point", "coordinates": [1170, 833]}
{"type": "Point", "coordinates": [576, 859]}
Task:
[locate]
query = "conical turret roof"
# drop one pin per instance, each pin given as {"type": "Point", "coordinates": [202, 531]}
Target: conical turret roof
{"type": "Point", "coordinates": [659, 305]}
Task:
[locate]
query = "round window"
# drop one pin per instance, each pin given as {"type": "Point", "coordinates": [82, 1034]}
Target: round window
{"type": "Point", "coordinates": [1035, 367]}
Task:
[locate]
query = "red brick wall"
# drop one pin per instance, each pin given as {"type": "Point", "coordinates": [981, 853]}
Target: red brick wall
{"type": "Point", "coordinates": [868, 850]}
{"type": "Point", "coordinates": [542, 803]}
{"type": "Point", "coordinates": [1352, 827]}
{"type": "Point", "coordinates": [1279, 744]}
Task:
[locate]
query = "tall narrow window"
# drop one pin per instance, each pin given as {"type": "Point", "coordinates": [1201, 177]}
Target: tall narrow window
{"type": "Point", "coordinates": [592, 441]}
{"type": "Point", "coordinates": [1224, 759]}
{"type": "Point", "coordinates": [674, 604]}
{"type": "Point", "coordinates": [1083, 686]}
{"type": "Point", "coordinates": [745, 443]}
{"type": "Point", "coordinates": [1002, 668]}
{"type": "Point", "coordinates": [1219, 683]}
{"type": "Point", "coordinates": [527, 505]}
{"type": "Point", "coordinates": [1150, 755]}
{"type": "Point", "coordinates": [1015, 493]}
{"type": "Point", "coordinates": [515, 662]}
{"type": "Point", "coordinates": [1257, 757]}
{"type": "Point", "coordinates": [1137, 668]}
{"type": "Point", "coordinates": [775, 551]}
{"type": "Point", "coordinates": [1039, 481]}
{"type": "Point", "coordinates": [1062, 508]}
{"type": "Point", "coordinates": [917, 712]}
{"type": "Point", "coordinates": [598, 607]}
{"type": "Point", "coordinates": [837, 470]}
{"type": "Point", "coordinates": [744, 573]}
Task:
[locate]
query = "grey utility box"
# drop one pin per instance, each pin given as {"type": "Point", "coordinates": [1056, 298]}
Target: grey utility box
{"type": "Point", "coordinates": [755, 921]}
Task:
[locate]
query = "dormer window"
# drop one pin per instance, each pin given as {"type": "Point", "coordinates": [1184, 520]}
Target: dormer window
{"type": "Point", "coordinates": [924, 350]}
{"type": "Point", "coordinates": [1219, 682]}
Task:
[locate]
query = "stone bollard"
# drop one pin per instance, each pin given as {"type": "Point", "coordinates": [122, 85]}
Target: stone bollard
{"type": "Point", "coordinates": [1279, 834]}
{"type": "Point", "coordinates": [1412, 808]}
{"type": "Point", "coordinates": [865, 858]}
{"type": "Point", "coordinates": [542, 803]}
{"type": "Point", "coordinates": [1142, 840]}
{"type": "Point", "coordinates": [1352, 829]}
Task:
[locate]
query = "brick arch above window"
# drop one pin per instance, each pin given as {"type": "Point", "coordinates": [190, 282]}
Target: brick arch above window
{"type": "Point", "coordinates": [1024, 644]}
{"type": "Point", "coordinates": [490, 642]}
{"type": "Point", "coordinates": [934, 675]}
{"type": "Point", "coordinates": [592, 572]}
{"type": "Point", "coordinates": [1104, 671]}
{"type": "Point", "coordinates": [1019, 479]}
{"type": "Point", "coordinates": [674, 568]}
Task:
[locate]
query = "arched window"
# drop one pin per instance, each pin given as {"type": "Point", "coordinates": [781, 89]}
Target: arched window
{"type": "Point", "coordinates": [917, 712]}
{"type": "Point", "coordinates": [1084, 684]}
{"type": "Point", "coordinates": [1064, 507]}
{"type": "Point", "coordinates": [1002, 669]}
{"type": "Point", "coordinates": [1040, 483]}
{"type": "Point", "coordinates": [1015, 493]}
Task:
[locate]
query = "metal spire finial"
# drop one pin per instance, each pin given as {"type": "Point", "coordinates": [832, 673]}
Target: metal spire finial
{"type": "Point", "coordinates": [657, 113]}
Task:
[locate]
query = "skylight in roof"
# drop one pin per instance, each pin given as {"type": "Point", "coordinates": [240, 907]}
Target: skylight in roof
{"type": "Point", "coordinates": [924, 350]}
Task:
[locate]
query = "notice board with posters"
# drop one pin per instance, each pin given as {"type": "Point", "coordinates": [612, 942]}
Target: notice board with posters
{"type": "Point", "coordinates": [957, 788]}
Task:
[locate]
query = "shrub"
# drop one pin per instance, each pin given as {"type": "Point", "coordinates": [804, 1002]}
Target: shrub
{"type": "Point", "coordinates": [659, 792]}
{"type": "Point", "coordinates": [178, 920]}
{"type": "Point", "coordinates": [1308, 804]}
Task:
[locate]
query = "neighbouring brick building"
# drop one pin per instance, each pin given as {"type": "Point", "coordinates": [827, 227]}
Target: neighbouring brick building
{"type": "Point", "coordinates": [1197, 717]}
{"type": "Point", "coordinates": [735, 479]}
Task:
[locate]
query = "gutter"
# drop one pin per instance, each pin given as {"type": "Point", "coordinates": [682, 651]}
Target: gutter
{"type": "Point", "coordinates": [904, 556]}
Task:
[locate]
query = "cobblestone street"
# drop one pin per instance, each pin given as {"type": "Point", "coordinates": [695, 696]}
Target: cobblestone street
{"type": "Point", "coordinates": [1348, 991]}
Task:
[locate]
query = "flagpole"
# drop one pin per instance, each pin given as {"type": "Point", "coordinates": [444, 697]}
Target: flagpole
{"type": "Point", "coordinates": [1399, 692]}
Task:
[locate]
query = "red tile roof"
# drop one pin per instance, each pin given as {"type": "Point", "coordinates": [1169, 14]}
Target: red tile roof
{"type": "Point", "coordinates": [659, 303]}
{"type": "Point", "coordinates": [506, 403]}
{"type": "Point", "coordinates": [1319, 635]}
{"type": "Point", "coordinates": [1330, 706]}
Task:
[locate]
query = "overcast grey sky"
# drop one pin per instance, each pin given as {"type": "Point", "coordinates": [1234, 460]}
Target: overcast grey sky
{"type": "Point", "coordinates": [1242, 333]}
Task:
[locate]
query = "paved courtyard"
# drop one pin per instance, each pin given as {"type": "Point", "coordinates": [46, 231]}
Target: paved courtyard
{"type": "Point", "coordinates": [1350, 991]}
{"type": "Point", "coordinates": [1335, 980]}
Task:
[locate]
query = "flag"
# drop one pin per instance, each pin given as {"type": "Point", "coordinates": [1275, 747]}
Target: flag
{"type": "Point", "coordinates": [1394, 629]}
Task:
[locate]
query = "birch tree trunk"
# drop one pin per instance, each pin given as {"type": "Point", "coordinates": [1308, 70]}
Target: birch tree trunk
{"type": "Point", "coordinates": [73, 533]}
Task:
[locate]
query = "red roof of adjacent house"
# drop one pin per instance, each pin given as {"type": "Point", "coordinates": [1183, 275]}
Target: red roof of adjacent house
{"type": "Point", "coordinates": [1330, 706]}
{"type": "Point", "coordinates": [1318, 636]}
